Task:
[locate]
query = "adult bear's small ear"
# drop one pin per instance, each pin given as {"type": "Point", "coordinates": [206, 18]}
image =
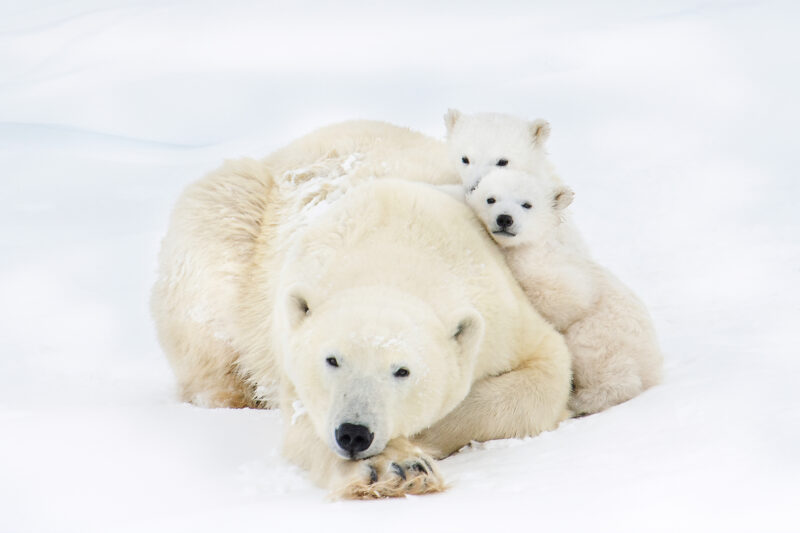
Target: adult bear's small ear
{"type": "Point", "coordinates": [562, 197]}
{"type": "Point", "coordinates": [540, 131]}
{"type": "Point", "coordinates": [450, 119]}
{"type": "Point", "coordinates": [468, 330]}
{"type": "Point", "coordinates": [297, 308]}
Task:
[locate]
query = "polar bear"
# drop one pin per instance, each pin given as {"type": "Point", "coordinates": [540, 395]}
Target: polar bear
{"type": "Point", "coordinates": [271, 199]}
{"type": "Point", "coordinates": [374, 311]}
{"type": "Point", "coordinates": [481, 142]}
{"type": "Point", "coordinates": [607, 328]}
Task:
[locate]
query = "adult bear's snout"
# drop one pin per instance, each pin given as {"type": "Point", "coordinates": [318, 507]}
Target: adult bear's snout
{"type": "Point", "coordinates": [353, 438]}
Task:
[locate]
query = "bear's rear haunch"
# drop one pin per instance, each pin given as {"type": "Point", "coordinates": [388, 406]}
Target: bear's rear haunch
{"type": "Point", "coordinates": [331, 280]}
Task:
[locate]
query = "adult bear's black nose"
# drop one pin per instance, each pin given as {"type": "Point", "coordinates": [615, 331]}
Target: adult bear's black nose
{"type": "Point", "coordinates": [505, 221]}
{"type": "Point", "coordinates": [353, 438]}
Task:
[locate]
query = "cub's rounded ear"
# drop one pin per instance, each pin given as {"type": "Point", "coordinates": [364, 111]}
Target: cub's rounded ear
{"type": "Point", "coordinates": [467, 330]}
{"type": "Point", "coordinates": [450, 119]}
{"type": "Point", "coordinates": [540, 131]}
{"type": "Point", "coordinates": [562, 197]}
{"type": "Point", "coordinates": [296, 302]}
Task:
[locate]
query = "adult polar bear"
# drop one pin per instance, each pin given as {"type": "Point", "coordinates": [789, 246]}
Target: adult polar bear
{"type": "Point", "coordinates": [376, 312]}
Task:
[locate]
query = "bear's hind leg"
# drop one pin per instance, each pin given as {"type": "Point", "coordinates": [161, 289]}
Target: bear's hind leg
{"type": "Point", "coordinates": [205, 367]}
{"type": "Point", "coordinates": [604, 375]}
{"type": "Point", "coordinates": [217, 388]}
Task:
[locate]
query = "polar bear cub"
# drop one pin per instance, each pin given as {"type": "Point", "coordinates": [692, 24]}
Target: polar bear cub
{"type": "Point", "coordinates": [479, 143]}
{"type": "Point", "coordinates": [607, 328]}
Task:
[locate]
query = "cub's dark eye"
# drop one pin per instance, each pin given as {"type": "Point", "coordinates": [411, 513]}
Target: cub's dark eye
{"type": "Point", "coordinates": [332, 361]}
{"type": "Point", "coordinates": [465, 160]}
{"type": "Point", "coordinates": [526, 205]}
{"type": "Point", "coordinates": [490, 200]}
{"type": "Point", "coordinates": [502, 162]}
{"type": "Point", "coordinates": [401, 373]}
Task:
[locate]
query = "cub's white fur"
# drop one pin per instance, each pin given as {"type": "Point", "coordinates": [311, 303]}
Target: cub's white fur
{"type": "Point", "coordinates": [607, 328]}
{"type": "Point", "coordinates": [482, 142]}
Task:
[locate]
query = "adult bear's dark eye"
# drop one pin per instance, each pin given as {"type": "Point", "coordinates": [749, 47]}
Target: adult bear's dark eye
{"type": "Point", "coordinates": [465, 160]}
{"type": "Point", "coordinates": [401, 373]}
{"type": "Point", "coordinates": [526, 205]}
{"type": "Point", "coordinates": [502, 162]}
{"type": "Point", "coordinates": [490, 200]}
{"type": "Point", "coordinates": [332, 361]}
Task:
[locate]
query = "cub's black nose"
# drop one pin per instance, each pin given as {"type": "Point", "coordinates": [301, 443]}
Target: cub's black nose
{"type": "Point", "coordinates": [353, 438]}
{"type": "Point", "coordinates": [505, 221]}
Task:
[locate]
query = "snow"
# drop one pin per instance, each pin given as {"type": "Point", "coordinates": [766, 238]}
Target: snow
{"type": "Point", "coordinates": [675, 123]}
{"type": "Point", "coordinates": [298, 410]}
{"type": "Point", "coordinates": [318, 187]}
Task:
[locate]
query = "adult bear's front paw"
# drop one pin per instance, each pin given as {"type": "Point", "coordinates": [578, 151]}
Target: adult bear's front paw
{"type": "Point", "coordinates": [400, 469]}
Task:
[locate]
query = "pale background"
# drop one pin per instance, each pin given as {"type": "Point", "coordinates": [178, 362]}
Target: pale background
{"type": "Point", "coordinates": [675, 123]}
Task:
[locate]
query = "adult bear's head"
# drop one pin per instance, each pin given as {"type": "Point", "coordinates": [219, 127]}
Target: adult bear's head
{"type": "Point", "coordinates": [372, 363]}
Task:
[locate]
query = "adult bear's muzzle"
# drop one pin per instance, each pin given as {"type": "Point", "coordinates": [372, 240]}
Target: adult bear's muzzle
{"type": "Point", "coordinates": [353, 438]}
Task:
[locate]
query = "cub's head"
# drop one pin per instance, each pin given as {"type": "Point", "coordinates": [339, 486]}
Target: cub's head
{"type": "Point", "coordinates": [370, 364]}
{"type": "Point", "coordinates": [481, 142]}
{"type": "Point", "coordinates": [519, 208]}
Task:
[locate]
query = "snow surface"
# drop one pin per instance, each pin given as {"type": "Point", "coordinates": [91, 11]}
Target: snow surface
{"type": "Point", "coordinates": [675, 122]}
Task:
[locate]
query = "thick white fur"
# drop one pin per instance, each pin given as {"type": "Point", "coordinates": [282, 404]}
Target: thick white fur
{"type": "Point", "coordinates": [484, 139]}
{"type": "Point", "coordinates": [216, 227]}
{"type": "Point", "coordinates": [608, 330]}
{"type": "Point", "coordinates": [271, 267]}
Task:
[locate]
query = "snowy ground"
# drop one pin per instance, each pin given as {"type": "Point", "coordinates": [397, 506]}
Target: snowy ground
{"type": "Point", "coordinates": [675, 123]}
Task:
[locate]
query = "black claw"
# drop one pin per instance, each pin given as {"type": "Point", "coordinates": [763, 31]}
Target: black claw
{"type": "Point", "coordinates": [373, 474]}
{"type": "Point", "coordinates": [399, 470]}
{"type": "Point", "coordinates": [419, 468]}
{"type": "Point", "coordinates": [430, 468]}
